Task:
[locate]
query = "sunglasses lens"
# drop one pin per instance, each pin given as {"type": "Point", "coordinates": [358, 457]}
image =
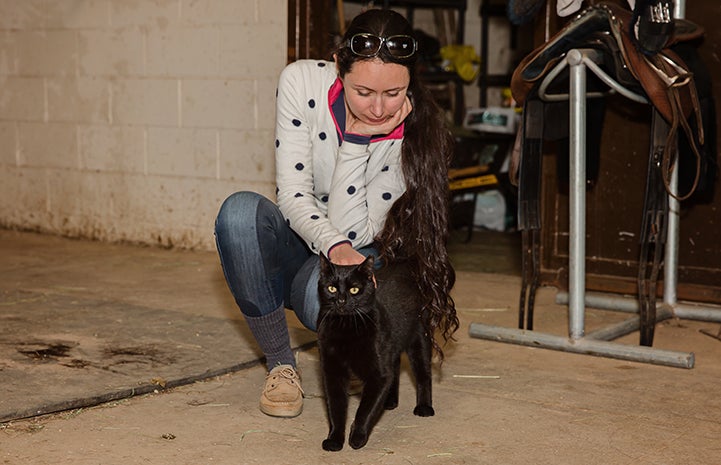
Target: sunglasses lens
{"type": "Point", "coordinates": [401, 46]}
{"type": "Point", "coordinates": [368, 45]}
{"type": "Point", "coordinates": [365, 44]}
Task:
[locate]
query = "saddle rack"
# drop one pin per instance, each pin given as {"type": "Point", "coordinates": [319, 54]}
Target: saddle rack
{"type": "Point", "coordinates": [599, 342]}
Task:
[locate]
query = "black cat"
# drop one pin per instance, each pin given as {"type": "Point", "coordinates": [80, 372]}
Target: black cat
{"type": "Point", "coordinates": [363, 330]}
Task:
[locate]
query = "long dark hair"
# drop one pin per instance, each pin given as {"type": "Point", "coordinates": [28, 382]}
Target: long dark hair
{"type": "Point", "coordinates": [416, 228]}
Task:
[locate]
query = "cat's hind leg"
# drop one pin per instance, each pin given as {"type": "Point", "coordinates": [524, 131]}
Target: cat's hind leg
{"type": "Point", "coordinates": [419, 355]}
{"type": "Point", "coordinates": [392, 398]}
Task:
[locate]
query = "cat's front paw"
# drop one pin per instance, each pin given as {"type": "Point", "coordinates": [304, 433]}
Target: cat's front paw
{"type": "Point", "coordinates": [358, 437]}
{"type": "Point", "coordinates": [332, 445]}
{"type": "Point", "coordinates": [423, 411]}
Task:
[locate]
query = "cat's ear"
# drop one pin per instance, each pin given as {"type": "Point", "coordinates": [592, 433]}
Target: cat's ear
{"type": "Point", "coordinates": [367, 266]}
{"type": "Point", "coordinates": [324, 262]}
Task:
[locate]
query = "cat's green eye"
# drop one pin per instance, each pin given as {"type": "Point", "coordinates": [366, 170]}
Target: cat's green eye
{"type": "Point", "coordinates": [332, 289]}
{"type": "Point", "coordinates": [354, 290]}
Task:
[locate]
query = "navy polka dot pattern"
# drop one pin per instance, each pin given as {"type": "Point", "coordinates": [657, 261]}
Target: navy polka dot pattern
{"type": "Point", "coordinates": [387, 196]}
{"type": "Point", "coordinates": [324, 199]}
{"type": "Point", "coordinates": [321, 65]}
{"type": "Point", "coordinates": [311, 103]}
{"type": "Point", "coordinates": [296, 122]}
{"type": "Point", "coordinates": [299, 166]}
{"type": "Point", "coordinates": [298, 194]}
{"type": "Point", "coordinates": [322, 136]}
{"type": "Point", "coordinates": [351, 190]}
{"type": "Point", "coordinates": [351, 235]}
{"type": "Point", "coordinates": [277, 143]}
{"type": "Point", "coordinates": [314, 217]}
{"type": "Point", "coordinates": [385, 168]}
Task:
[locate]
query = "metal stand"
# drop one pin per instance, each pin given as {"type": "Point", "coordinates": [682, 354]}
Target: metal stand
{"type": "Point", "coordinates": [597, 343]}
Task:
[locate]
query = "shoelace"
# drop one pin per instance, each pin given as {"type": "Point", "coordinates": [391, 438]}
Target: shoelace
{"type": "Point", "coordinates": [289, 374]}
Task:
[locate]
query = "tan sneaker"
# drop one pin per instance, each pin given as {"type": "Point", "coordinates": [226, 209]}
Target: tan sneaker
{"type": "Point", "coordinates": [282, 395]}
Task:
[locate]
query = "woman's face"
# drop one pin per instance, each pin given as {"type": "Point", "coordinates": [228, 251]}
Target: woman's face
{"type": "Point", "coordinates": [375, 90]}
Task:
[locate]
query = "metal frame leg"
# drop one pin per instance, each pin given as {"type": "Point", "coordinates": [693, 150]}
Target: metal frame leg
{"type": "Point", "coordinates": [577, 205]}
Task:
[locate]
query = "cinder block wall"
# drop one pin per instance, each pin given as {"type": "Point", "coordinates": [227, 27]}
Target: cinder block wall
{"type": "Point", "coordinates": [131, 120]}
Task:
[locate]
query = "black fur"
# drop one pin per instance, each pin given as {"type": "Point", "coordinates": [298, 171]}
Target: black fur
{"type": "Point", "coordinates": [364, 330]}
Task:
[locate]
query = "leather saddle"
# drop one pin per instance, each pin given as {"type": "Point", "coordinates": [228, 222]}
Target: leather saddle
{"type": "Point", "coordinates": [605, 27]}
{"type": "Point", "coordinates": [660, 78]}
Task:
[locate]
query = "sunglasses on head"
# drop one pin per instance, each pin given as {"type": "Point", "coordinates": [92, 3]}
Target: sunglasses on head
{"type": "Point", "coordinates": [368, 45]}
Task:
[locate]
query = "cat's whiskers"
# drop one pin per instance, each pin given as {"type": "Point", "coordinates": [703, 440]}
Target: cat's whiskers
{"type": "Point", "coordinates": [323, 319]}
{"type": "Point", "coordinates": [364, 316]}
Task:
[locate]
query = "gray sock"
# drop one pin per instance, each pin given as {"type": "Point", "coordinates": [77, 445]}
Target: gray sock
{"type": "Point", "coordinates": [271, 333]}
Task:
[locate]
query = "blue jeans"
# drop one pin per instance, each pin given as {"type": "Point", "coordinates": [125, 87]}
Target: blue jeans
{"type": "Point", "coordinates": [262, 258]}
{"type": "Point", "coordinates": [266, 264]}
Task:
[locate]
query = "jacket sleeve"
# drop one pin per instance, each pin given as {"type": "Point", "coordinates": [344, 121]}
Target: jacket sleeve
{"type": "Point", "coordinates": [294, 162]}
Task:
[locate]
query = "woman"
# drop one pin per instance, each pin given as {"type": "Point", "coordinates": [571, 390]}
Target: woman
{"type": "Point", "coordinates": [361, 162]}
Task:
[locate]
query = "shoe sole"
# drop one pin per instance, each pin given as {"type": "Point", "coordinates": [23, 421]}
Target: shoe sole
{"type": "Point", "coordinates": [281, 411]}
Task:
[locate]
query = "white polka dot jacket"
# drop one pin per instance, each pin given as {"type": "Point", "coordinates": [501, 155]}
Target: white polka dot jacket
{"type": "Point", "coordinates": [333, 187]}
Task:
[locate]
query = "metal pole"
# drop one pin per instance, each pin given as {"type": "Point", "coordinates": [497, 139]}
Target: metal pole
{"type": "Point", "coordinates": [577, 182]}
{"type": "Point", "coordinates": [697, 312]}
{"type": "Point", "coordinates": [611, 332]}
{"type": "Point", "coordinates": [670, 259]}
{"type": "Point", "coordinates": [604, 301]}
{"type": "Point", "coordinates": [679, 9]}
{"type": "Point", "coordinates": [670, 265]}
{"type": "Point", "coordinates": [583, 346]}
{"type": "Point", "coordinates": [618, 303]}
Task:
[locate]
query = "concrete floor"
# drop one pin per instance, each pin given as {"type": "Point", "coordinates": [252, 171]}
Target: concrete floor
{"type": "Point", "coordinates": [495, 403]}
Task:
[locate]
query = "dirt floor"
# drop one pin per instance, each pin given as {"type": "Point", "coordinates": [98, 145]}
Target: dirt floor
{"type": "Point", "coordinates": [495, 403]}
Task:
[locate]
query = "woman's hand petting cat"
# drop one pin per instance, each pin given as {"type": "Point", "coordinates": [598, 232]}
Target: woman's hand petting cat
{"type": "Point", "coordinates": [345, 254]}
{"type": "Point", "coordinates": [354, 125]}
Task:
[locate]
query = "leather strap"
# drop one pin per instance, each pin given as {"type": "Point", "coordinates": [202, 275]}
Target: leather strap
{"type": "Point", "coordinates": [529, 208]}
{"type": "Point", "coordinates": [653, 228]}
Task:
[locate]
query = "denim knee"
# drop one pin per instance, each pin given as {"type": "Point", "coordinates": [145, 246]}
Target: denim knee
{"type": "Point", "coordinates": [237, 212]}
{"type": "Point", "coordinates": [240, 255]}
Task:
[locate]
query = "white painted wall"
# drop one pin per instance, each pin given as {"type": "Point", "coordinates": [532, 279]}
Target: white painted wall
{"type": "Point", "coordinates": [133, 119]}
